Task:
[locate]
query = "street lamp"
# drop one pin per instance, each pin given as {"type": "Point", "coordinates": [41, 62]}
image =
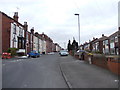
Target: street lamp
{"type": "Point", "coordinates": [78, 27]}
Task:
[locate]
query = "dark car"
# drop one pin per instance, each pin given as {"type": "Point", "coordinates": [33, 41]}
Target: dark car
{"type": "Point", "coordinates": [33, 54]}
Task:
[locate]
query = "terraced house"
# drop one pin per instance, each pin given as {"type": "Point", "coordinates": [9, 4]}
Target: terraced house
{"type": "Point", "coordinates": [105, 44]}
{"type": "Point", "coordinates": [13, 33]}
{"type": "Point", "coordinates": [16, 35]}
{"type": "Point", "coordinates": [114, 43]}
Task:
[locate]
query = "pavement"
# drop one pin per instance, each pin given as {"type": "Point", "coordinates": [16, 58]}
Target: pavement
{"type": "Point", "coordinates": [79, 74]}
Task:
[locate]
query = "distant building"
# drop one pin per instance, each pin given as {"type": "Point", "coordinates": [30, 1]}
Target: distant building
{"type": "Point", "coordinates": [53, 47]}
{"type": "Point", "coordinates": [48, 43]}
{"type": "Point", "coordinates": [58, 48]}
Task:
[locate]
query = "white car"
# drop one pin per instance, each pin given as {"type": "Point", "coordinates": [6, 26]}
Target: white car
{"type": "Point", "coordinates": [63, 53]}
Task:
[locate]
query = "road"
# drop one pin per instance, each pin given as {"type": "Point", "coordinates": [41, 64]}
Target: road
{"type": "Point", "coordinates": [43, 72]}
{"type": "Point", "coordinates": [54, 71]}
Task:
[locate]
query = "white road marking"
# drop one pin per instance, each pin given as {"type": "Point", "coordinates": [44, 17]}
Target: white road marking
{"type": "Point", "coordinates": [18, 60]}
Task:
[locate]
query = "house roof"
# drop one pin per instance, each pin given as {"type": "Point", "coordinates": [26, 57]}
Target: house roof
{"type": "Point", "coordinates": [11, 18]}
{"type": "Point", "coordinates": [46, 37]}
{"type": "Point", "coordinates": [114, 34]}
{"type": "Point", "coordinates": [102, 38]}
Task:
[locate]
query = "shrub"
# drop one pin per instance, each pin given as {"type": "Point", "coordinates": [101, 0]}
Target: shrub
{"type": "Point", "coordinates": [12, 51]}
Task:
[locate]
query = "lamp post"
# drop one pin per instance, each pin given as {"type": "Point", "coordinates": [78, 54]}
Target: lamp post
{"type": "Point", "coordinates": [78, 27]}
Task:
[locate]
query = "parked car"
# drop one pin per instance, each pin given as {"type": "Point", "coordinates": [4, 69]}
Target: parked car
{"type": "Point", "coordinates": [63, 53]}
{"type": "Point", "coordinates": [34, 54]}
{"type": "Point", "coordinates": [6, 55]}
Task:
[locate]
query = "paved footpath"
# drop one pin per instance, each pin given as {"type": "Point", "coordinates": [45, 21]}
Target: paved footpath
{"type": "Point", "coordinates": [80, 74]}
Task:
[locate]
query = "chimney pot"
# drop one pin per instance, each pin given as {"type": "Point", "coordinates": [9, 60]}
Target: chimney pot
{"type": "Point", "coordinates": [16, 16]}
{"type": "Point", "coordinates": [102, 35]}
{"type": "Point", "coordinates": [32, 30]}
{"type": "Point", "coordinates": [25, 23]}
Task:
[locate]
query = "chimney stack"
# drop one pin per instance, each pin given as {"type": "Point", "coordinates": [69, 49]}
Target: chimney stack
{"type": "Point", "coordinates": [37, 34]}
{"type": "Point", "coordinates": [102, 35]}
{"type": "Point", "coordinates": [16, 16]}
{"type": "Point", "coordinates": [25, 26]}
{"type": "Point", "coordinates": [32, 30]}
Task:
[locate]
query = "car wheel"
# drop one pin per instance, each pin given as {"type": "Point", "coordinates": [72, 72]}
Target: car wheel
{"type": "Point", "coordinates": [29, 56]}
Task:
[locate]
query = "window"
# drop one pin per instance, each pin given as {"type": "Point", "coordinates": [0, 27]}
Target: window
{"type": "Point", "coordinates": [14, 29]}
{"type": "Point", "coordinates": [116, 39]}
{"type": "Point", "coordinates": [97, 46]}
{"type": "Point", "coordinates": [20, 32]}
{"type": "Point", "coordinates": [112, 49]}
{"type": "Point", "coordinates": [112, 39]}
{"type": "Point", "coordinates": [112, 45]}
{"type": "Point", "coordinates": [21, 43]}
{"type": "Point", "coordinates": [106, 42]}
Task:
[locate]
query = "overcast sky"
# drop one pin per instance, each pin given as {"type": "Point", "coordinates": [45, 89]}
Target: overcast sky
{"type": "Point", "coordinates": [56, 17]}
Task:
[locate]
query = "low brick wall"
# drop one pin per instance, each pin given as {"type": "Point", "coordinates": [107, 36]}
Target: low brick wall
{"type": "Point", "coordinates": [86, 57]}
{"type": "Point", "coordinates": [100, 60]}
{"type": "Point", "coordinates": [110, 62]}
{"type": "Point", "coordinates": [76, 56]}
{"type": "Point", "coordinates": [114, 64]}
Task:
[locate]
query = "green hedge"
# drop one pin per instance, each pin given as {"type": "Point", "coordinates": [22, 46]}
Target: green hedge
{"type": "Point", "coordinates": [12, 51]}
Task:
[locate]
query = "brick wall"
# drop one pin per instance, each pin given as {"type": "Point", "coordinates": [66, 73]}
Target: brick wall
{"type": "Point", "coordinates": [100, 60]}
{"type": "Point", "coordinates": [29, 43]}
{"type": "Point", "coordinates": [114, 64]}
{"type": "Point", "coordinates": [6, 23]}
{"type": "Point", "coordinates": [111, 63]}
{"type": "Point", "coordinates": [0, 33]}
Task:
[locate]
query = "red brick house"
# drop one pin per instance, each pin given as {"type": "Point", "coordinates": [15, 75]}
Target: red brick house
{"type": "Point", "coordinates": [49, 43]}
{"type": "Point", "coordinates": [105, 45]}
{"type": "Point", "coordinates": [12, 33]}
{"type": "Point", "coordinates": [16, 35]}
{"type": "Point", "coordinates": [114, 44]}
{"type": "Point", "coordinates": [99, 45]}
{"type": "Point", "coordinates": [0, 33]}
{"type": "Point", "coordinates": [53, 47]}
{"type": "Point", "coordinates": [58, 48]}
{"type": "Point", "coordinates": [86, 46]}
{"type": "Point", "coordinates": [28, 42]}
{"type": "Point", "coordinates": [92, 46]}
